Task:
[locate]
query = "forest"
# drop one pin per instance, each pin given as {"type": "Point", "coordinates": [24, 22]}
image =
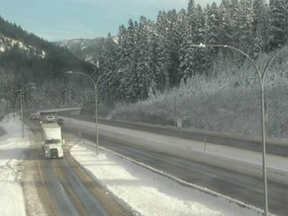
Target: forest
{"type": "Point", "coordinates": [155, 56]}
{"type": "Point", "coordinates": [147, 57]}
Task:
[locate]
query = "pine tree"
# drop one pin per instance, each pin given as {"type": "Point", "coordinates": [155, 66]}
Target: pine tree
{"type": "Point", "coordinates": [143, 75]}
{"type": "Point", "coordinates": [174, 38]}
{"type": "Point", "coordinates": [108, 69]}
{"type": "Point", "coordinates": [213, 23]}
{"type": "Point", "coordinates": [192, 18]}
{"type": "Point", "coordinates": [245, 26]}
{"type": "Point", "coordinates": [160, 52]}
{"type": "Point", "coordinates": [226, 24]}
{"type": "Point", "coordinates": [276, 30]}
{"type": "Point", "coordinates": [235, 16]}
{"type": "Point", "coordinates": [285, 11]}
{"type": "Point", "coordinates": [127, 40]}
{"type": "Point", "coordinates": [186, 60]}
{"type": "Point", "coordinates": [260, 26]}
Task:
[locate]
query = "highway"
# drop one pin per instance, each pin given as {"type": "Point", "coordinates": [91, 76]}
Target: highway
{"type": "Point", "coordinates": [248, 144]}
{"type": "Point", "coordinates": [64, 188]}
{"type": "Point", "coordinates": [231, 183]}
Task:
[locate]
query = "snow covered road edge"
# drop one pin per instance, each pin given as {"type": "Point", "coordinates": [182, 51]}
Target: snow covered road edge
{"type": "Point", "coordinates": [252, 209]}
{"type": "Point", "coordinates": [12, 151]}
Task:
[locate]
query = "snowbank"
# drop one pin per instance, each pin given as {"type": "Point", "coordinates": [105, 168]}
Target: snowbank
{"type": "Point", "coordinates": [248, 162]}
{"type": "Point", "coordinates": [150, 193]}
{"type": "Point", "coordinates": [12, 147]}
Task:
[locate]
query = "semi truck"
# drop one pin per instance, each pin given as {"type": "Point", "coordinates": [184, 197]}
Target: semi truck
{"type": "Point", "coordinates": [52, 142]}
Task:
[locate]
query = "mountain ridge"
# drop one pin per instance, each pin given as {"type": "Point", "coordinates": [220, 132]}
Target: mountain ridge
{"type": "Point", "coordinates": [88, 50]}
{"type": "Point", "coordinates": [25, 57]}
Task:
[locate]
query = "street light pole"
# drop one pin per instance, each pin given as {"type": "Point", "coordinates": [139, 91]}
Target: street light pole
{"type": "Point", "coordinates": [21, 104]}
{"type": "Point", "coordinates": [96, 109]}
{"type": "Point", "coordinates": [96, 103]}
{"type": "Point", "coordinates": [22, 114]}
{"type": "Point", "coordinates": [263, 111]}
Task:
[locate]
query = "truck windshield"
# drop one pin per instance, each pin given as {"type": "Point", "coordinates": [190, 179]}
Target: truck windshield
{"type": "Point", "coordinates": [52, 141]}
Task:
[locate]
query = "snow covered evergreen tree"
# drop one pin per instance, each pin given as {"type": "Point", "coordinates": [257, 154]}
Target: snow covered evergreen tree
{"type": "Point", "coordinates": [160, 55]}
{"type": "Point", "coordinates": [260, 26]}
{"type": "Point", "coordinates": [107, 65]}
{"type": "Point", "coordinates": [276, 30]}
{"type": "Point", "coordinates": [245, 26]}
{"type": "Point", "coordinates": [174, 39]}
{"type": "Point", "coordinates": [157, 56]}
{"type": "Point", "coordinates": [285, 11]}
{"type": "Point", "coordinates": [144, 78]}
{"type": "Point", "coordinates": [186, 50]}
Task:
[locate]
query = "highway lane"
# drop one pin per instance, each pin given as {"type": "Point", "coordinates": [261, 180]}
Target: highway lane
{"type": "Point", "coordinates": [242, 187]}
{"type": "Point", "coordinates": [70, 191]}
{"type": "Point", "coordinates": [169, 131]}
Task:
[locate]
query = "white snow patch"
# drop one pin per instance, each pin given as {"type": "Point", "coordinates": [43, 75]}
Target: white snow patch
{"type": "Point", "coordinates": [12, 146]}
{"type": "Point", "coordinates": [8, 43]}
{"type": "Point", "coordinates": [116, 39]}
{"type": "Point", "coordinates": [149, 193]}
{"type": "Point", "coordinates": [277, 165]}
{"type": "Point", "coordinates": [43, 54]}
{"type": "Point", "coordinates": [2, 49]}
{"type": "Point", "coordinates": [11, 195]}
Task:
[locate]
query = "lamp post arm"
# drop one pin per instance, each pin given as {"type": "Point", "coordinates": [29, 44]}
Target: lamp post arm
{"type": "Point", "coordinates": [99, 79]}
{"type": "Point", "coordinates": [270, 61]}
{"type": "Point", "coordinates": [86, 76]}
{"type": "Point", "coordinates": [261, 79]}
{"type": "Point", "coordinates": [243, 53]}
{"type": "Point", "coordinates": [96, 106]}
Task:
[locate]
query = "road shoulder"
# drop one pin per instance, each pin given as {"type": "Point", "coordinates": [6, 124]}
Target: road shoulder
{"type": "Point", "coordinates": [146, 191]}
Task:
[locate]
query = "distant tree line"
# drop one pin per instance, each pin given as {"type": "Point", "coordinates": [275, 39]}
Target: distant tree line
{"type": "Point", "coordinates": [150, 57]}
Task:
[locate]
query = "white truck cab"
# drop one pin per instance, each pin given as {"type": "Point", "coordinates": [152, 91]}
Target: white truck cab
{"type": "Point", "coordinates": [52, 142]}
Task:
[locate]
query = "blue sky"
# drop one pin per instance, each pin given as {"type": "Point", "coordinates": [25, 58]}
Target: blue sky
{"type": "Point", "coordinates": [66, 19]}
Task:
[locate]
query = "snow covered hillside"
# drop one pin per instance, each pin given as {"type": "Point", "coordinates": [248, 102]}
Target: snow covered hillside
{"type": "Point", "coordinates": [7, 44]}
{"type": "Point", "coordinates": [226, 101]}
{"type": "Point", "coordinates": [86, 49]}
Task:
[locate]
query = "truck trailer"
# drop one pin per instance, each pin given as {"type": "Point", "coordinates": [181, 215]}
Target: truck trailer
{"type": "Point", "coordinates": [52, 142]}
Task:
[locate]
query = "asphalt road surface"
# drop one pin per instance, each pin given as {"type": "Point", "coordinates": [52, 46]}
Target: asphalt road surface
{"type": "Point", "coordinates": [251, 145]}
{"type": "Point", "coordinates": [242, 187]}
{"type": "Point", "coordinates": [66, 189]}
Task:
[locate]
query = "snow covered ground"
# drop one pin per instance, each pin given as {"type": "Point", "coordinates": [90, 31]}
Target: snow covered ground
{"type": "Point", "coordinates": [150, 193]}
{"type": "Point", "coordinates": [12, 147]}
{"type": "Point", "coordinates": [248, 161]}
